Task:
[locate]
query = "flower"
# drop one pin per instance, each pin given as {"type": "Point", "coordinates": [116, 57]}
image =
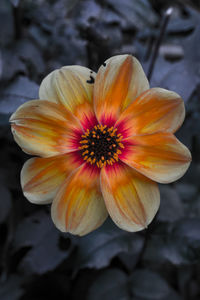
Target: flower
{"type": "Point", "coordinates": [104, 140]}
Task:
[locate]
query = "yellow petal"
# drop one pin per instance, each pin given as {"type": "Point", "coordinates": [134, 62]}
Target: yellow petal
{"type": "Point", "coordinates": [41, 177]}
{"type": "Point", "coordinates": [79, 207]}
{"type": "Point", "coordinates": [120, 80]}
{"type": "Point", "coordinates": [154, 110]}
{"type": "Point", "coordinates": [72, 86]}
{"type": "Point", "coordinates": [159, 156]}
{"type": "Point", "coordinates": [45, 128]}
{"type": "Point", "coordinates": [132, 200]}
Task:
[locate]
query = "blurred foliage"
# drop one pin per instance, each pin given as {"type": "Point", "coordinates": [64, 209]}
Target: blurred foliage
{"type": "Point", "coordinates": [39, 262]}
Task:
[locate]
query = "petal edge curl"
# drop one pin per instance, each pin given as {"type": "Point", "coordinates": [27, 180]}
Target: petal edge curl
{"type": "Point", "coordinates": [132, 200]}
{"type": "Point", "coordinates": [159, 156]}
{"type": "Point", "coordinates": [154, 110]}
{"type": "Point", "coordinates": [44, 128]}
{"type": "Point", "coordinates": [72, 86]}
{"type": "Point", "coordinates": [79, 206]}
{"type": "Point", "coordinates": [119, 81]}
{"type": "Point", "coordinates": [42, 177]}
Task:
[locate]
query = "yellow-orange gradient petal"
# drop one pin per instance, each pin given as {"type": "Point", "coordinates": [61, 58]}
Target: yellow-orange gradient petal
{"type": "Point", "coordinates": [73, 87]}
{"type": "Point", "coordinates": [41, 177]}
{"type": "Point", "coordinates": [132, 200]}
{"type": "Point", "coordinates": [44, 128]}
{"type": "Point", "coordinates": [159, 156]}
{"type": "Point", "coordinates": [119, 81]}
{"type": "Point", "coordinates": [79, 206]}
{"type": "Point", "coordinates": [154, 110]}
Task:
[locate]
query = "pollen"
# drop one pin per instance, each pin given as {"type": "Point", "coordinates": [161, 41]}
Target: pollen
{"type": "Point", "coordinates": [101, 145]}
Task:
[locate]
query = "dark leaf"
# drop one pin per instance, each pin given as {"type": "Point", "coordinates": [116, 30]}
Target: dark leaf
{"type": "Point", "coordinates": [38, 36]}
{"type": "Point", "coordinates": [135, 12]}
{"type": "Point", "coordinates": [171, 52]}
{"type": "Point", "coordinates": [15, 2]}
{"type": "Point", "coordinates": [147, 285]}
{"type": "Point", "coordinates": [181, 77]}
{"type": "Point", "coordinates": [185, 275]}
{"type": "Point", "coordinates": [111, 17]}
{"type": "Point", "coordinates": [183, 24]}
{"type": "Point", "coordinates": [98, 248]}
{"type": "Point", "coordinates": [39, 234]}
{"type": "Point", "coordinates": [6, 23]}
{"type": "Point", "coordinates": [12, 65]}
{"type": "Point", "coordinates": [171, 207]}
{"type": "Point", "coordinates": [1, 64]}
{"type": "Point", "coordinates": [141, 285]}
{"type": "Point", "coordinates": [31, 55]}
{"type": "Point", "coordinates": [112, 284]}
{"type": "Point", "coordinates": [190, 197]}
{"type": "Point", "coordinates": [130, 258]}
{"type": "Point", "coordinates": [73, 50]}
{"type": "Point", "coordinates": [11, 289]}
{"type": "Point", "coordinates": [178, 244]}
{"type": "Point", "coordinates": [186, 191]}
{"type": "Point", "coordinates": [87, 11]}
{"type": "Point", "coordinates": [17, 93]}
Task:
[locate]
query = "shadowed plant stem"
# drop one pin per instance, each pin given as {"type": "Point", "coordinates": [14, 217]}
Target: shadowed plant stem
{"type": "Point", "coordinates": [163, 27]}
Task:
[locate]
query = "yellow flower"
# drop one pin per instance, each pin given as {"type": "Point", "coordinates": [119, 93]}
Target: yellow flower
{"type": "Point", "coordinates": [104, 139]}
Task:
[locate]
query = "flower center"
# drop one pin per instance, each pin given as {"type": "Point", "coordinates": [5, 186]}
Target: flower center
{"type": "Point", "coordinates": [101, 145]}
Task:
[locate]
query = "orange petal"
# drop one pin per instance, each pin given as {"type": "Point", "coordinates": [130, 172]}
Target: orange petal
{"type": "Point", "coordinates": [132, 200]}
{"type": "Point", "coordinates": [73, 87]}
{"type": "Point", "coordinates": [120, 80]}
{"type": "Point", "coordinates": [41, 177]}
{"type": "Point", "coordinates": [45, 128]}
{"type": "Point", "coordinates": [79, 207]}
{"type": "Point", "coordinates": [154, 110]}
{"type": "Point", "coordinates": [159, 156]}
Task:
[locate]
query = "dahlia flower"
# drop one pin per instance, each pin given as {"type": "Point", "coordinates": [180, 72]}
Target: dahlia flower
{"type": "Point", "coordinates": [104, 141]}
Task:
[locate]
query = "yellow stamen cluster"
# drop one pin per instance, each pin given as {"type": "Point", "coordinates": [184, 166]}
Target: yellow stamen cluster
{"type": "Point", "coordinates": [101, 145]}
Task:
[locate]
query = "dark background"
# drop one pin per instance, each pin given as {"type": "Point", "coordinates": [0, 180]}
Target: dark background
{"type": "Point", "coordinates": [37, 262]}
